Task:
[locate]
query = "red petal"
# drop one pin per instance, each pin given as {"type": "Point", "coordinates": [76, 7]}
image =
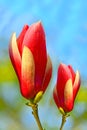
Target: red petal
{"type": "Point", "coordinates": [27, 73]}
{"type": "Point", "coordinates": [72, 72]}
{"type": "Point", "coordinates": [76, 84]}
{"type": "Point", "coordinates": [21, 37]}
{"type": "Point", "coordinates": [48, 74]}
{"type": "Point", "coordinates": [35, 41]}
{"type": "Point", "coordinates": [15, 56]}
{"type": "Point", "coordinates": [64, 74]}
{"type": "Point", "coordinates": [55, 96]}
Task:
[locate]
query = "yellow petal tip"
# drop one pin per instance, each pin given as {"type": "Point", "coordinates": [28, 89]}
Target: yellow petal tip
{"type": "Point", "coordinates": [61, 111]}
{"type": "Point", "coordinates": [38, 97]}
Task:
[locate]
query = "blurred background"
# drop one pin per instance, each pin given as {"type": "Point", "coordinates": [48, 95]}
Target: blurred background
{"type": "Point", "coordinates": [65, 24]}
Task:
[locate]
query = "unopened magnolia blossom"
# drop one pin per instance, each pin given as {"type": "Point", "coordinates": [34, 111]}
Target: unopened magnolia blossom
{"type": "Point", "coordinates": [29, 57]}
{"type": "Point", "coordinates": [66, 88]}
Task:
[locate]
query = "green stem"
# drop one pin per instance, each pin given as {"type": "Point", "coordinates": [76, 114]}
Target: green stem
{"type": "Point", "coordinates": [35, 114]}
{"type": "Point", "coordinates": [63, 120]}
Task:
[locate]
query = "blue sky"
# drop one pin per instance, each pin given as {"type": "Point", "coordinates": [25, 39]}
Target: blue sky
{"type": "Point", "coordinates": [64, 21]}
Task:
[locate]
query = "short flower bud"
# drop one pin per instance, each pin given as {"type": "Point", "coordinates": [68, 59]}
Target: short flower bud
{"type": "Point", "coordinates": [66, 89]}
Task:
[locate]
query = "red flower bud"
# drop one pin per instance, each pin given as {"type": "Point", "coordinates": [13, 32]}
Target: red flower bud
{"type": "Point", "coordinates": [67, 86]}
{"type": "Point", "coordinates": [29, 58]}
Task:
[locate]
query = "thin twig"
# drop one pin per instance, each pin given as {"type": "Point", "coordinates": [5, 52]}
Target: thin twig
{"type": "Point", "coordinates": [63, 120]}
{"type": "Point", "coordinates": [35, 114]}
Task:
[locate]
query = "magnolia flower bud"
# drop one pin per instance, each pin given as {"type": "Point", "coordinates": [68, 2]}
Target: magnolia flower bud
{"type": "Point", "coordinates": [28, 55]}
{"type": "Point", "coordinates": [66, 89]}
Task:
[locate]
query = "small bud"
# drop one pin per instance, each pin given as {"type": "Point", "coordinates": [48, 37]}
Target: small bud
{"type": "Point", "coordinates": [66, 88]}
